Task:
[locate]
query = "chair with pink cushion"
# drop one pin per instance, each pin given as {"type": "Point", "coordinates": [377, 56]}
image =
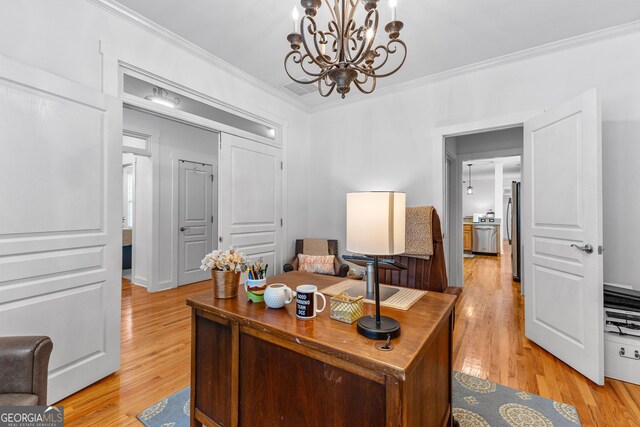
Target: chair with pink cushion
{"type": "Point", "coordinates": [318, 249]}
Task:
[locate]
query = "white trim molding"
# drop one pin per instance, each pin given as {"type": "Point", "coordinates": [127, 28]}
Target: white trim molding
{"type": "Point", "coordinates": [140, 21]}
{"type": "Point", "coordinates": [511, 58]}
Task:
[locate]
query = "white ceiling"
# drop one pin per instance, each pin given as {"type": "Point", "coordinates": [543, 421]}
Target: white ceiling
{"type": "Point", "coordinates": [482, 170]}
{"type": "Point", "coordinates": [440, 34]}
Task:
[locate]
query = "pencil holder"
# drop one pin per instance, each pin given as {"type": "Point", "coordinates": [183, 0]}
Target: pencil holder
{"type": "Point", "coordinates": [255, 289]}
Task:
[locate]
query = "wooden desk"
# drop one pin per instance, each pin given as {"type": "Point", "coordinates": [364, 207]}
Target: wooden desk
{"type": "Point", "coordinates": [256, 366]}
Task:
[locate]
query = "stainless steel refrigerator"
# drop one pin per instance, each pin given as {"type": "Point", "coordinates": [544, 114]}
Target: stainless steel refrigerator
{"type": "Point", "coordinates": [513, 229]}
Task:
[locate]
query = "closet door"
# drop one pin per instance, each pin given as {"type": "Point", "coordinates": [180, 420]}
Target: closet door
{"type": "Point", "coordinates": [251, 199]}
{"type": "Point", "coordinates": [60, 222]}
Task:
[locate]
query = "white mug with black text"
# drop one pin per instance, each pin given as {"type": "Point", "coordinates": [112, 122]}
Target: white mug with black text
{"type": "Point", "coordinates": [307, 297]}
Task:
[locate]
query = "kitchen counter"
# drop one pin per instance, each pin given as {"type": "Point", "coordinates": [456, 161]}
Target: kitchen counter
{"type": "Point", "coordinates": [496, 222]}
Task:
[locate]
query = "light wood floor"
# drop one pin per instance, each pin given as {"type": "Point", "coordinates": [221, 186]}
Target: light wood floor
{"type": "Point", "coordinates": [155, 360]}
{"type": "Point", "coordinates": [488, 342]}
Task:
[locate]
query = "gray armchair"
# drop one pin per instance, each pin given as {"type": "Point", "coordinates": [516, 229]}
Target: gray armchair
{"type": "Point", "coordinates": [318, 247]}
{"type": "Point", "coordinates": [24, 367]}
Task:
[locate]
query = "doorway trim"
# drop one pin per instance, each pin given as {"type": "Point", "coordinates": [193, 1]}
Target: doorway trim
{"type": "Point", "coordinates": [454, 242]}
{"type": "Point", "coordinates": [116, 62]}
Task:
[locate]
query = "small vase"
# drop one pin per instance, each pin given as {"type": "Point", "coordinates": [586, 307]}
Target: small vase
{"type": "Point", "coordinates": [225, 283]}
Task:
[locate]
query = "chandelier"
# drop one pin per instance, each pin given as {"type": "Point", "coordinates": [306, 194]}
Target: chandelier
{"type": "Point", "coordinates": [344, 53]}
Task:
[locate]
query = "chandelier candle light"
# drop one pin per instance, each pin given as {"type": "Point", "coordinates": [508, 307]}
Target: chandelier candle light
{"type": "Point", "coordinates": [344, 53]}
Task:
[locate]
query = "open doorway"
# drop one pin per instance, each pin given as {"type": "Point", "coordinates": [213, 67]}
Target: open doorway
{"type": "Point", "coordinates": [137, 207]}
{"type": "Point", "coordinates": [490, 215]}
{"type": "Point", "coordinates": [173, 198]}
{"type": "Point", "coordinates": [128, 185]}
{"type": "Point", "coordinates": [479, 169]}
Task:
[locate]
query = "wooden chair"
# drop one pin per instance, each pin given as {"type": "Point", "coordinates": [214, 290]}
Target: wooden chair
{"type": "Point", "coordinates": [430, 275]}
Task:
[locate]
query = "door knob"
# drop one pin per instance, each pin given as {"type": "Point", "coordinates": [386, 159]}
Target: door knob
{"type": "Point", "coordinates": [585, 248]}
{"type": "Point", "coordinates": [184, 228]}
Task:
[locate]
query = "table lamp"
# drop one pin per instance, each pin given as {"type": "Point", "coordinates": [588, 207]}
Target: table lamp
{"type": "Point", "coordinates": [375, 226]}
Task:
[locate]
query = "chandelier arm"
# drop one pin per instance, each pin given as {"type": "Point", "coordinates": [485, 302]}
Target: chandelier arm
{"type": "Point", "coordinates": [312, 31]}
{"type": "Point", "coordinates": [331, 33]}
{"type": "Point", "coordinates": [358, 58]}
{"type": "Point", "coordinates": [331, 87]}
{"type": "Point", "coordinates": [332, 30]}
{"type": "Point", "coordinates": [323, 70]}
{"type": "Point", "coordinates": [331, 9]}
{"type": "Point", "coordinates": [352, 10]}
{"type": "Point", "coordinates": [388, 51]}
{"type": "Point", "coordinates": [299, 61]}
{"type": "Point", "coordinates": [360, 85]}
{"type": "Point", "coordinates": [351, 40]}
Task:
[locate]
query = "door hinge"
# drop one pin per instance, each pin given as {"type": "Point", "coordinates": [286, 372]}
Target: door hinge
{"type": "Point", "coordinates": [211, 177]}
{"type": "Point", "coordinates": [220, 239]}
{"type": "Point", "coordinates": [211, 219]}
{"type": "Point", "coordinates": [281, 222]}
{"type": "Point", "coordinates": [600, 250]}
{"type": "Point", "coordinates": [281, 165]}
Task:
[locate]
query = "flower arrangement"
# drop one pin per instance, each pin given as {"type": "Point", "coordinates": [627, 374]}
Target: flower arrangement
{"type": "Point", "coordinates": [229, 260]}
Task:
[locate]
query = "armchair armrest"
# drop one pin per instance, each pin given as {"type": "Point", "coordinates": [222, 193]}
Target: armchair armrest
{"type": "Point", "coordinates": [24, 365]}
{"type": "Point", "coordinates": [342, 272]}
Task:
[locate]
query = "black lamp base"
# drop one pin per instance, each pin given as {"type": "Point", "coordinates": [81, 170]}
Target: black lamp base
{"type": "Point", "coordinates": [388, 326]}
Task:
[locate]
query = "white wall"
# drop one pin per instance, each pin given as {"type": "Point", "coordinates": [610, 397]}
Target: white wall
{"type": "Point", "coordinates": [64, 37]}
{"type": "Point", "coordinates": [385, 142]}
{"type": "Point", "coordinates": [175, 141]}
{"type": "Point", "coordinates": [482, 199]}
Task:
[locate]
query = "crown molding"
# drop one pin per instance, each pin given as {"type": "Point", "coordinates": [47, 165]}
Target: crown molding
{"type": "Point", "coordinates": [148, 25]}
{"type": "Point", "coordinates": [511, 58]}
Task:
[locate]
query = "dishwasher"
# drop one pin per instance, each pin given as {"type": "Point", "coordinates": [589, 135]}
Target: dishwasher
{"type": "Point", "coordinates": [485, 239]}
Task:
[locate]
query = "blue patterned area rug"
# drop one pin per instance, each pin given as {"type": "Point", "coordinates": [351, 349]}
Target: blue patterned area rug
{"type": "Point", "coordinates": [476, 403]}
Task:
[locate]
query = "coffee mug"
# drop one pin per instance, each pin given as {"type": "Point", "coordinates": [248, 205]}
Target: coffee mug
{"type": "Point", "coordinates": [307, 301]}
{"type": "Point", "coordinates": [277, 295]}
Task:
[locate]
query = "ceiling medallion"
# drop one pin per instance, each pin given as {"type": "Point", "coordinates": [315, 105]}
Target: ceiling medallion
{"type": "Point", "coordinates": [344, 53]}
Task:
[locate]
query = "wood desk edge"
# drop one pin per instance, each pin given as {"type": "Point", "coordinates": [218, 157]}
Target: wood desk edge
{"type": "Point", "coordinates": [444, 301]}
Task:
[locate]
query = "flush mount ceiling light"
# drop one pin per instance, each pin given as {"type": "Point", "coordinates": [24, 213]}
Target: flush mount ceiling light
{"type": "Point", "coordinates": [161, 96]}
{"type": "Point", "coordinates": [469, 188]}
{"type": "Point", "coordinates": [344, 53]}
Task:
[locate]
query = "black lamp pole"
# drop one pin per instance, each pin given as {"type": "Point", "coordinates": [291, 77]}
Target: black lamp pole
{"type": "Point", "coordinates": [378, 327]}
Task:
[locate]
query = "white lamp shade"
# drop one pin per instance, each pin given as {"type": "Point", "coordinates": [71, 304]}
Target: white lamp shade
{"type": "Point", "coordinates": [376, 223]}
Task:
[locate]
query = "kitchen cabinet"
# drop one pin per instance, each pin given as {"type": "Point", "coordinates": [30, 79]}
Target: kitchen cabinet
{"type": "Point", "coordinates": [467, 237]}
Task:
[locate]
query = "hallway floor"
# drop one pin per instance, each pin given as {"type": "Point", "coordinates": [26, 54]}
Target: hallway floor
{"type": "Point", "coordinates": [489, 343]}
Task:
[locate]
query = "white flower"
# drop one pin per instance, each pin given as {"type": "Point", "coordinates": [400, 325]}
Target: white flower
{"type": "Point", "coordinates": [229, 260]}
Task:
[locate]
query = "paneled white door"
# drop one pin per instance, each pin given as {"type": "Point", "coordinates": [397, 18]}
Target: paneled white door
{"type": "Point", "coordinates": [250, 202]}
{"type": "Point", "coordinates": [60, 222]}
{"type": "Point", "coordinates": [195, 220]}
{"type": "Point", "coordinates": [562, 233]}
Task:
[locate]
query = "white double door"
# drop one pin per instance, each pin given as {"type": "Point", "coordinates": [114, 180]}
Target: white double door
{"type": "Point", "coordinates": [562, 233]}
{"type": "Point", "coordinates": [250, 201]}
{"type": "Point", "coordinates": [60, 222]}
